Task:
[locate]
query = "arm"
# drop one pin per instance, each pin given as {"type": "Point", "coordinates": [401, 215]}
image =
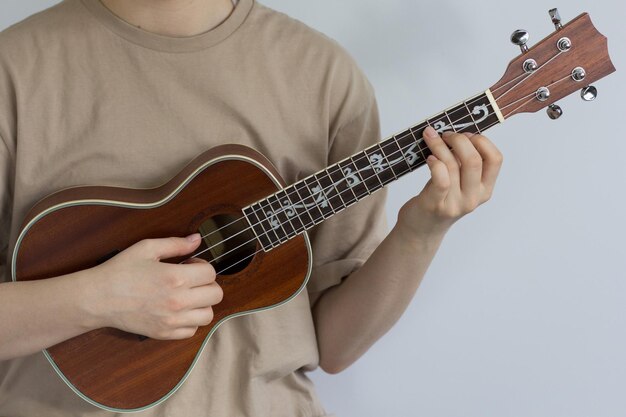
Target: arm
{"type": "Point", "coordinates": [42, 313]}
{"type": "Point", "coordinates": [351, 317]}
{"type": "Point", "coordinates": [132, 291]}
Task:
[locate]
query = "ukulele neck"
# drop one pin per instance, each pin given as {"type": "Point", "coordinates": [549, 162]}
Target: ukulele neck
{"type": "Point", "coordinates": [300, 206]}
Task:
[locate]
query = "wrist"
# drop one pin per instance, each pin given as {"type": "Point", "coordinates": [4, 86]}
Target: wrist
{"type": "Point", "coordinates": [418, 238]}
{"type": "Point", "coordinates": [420, 226]}
{"type": "Point", "coordinates": [90, 300]}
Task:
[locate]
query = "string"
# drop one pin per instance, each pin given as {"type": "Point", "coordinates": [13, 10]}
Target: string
{"type": "Point", "coordinates": [260, 250]}
{"type": "Point", "coordinates": [290, 193]}
{"type": "Point", "coordinates": [531, 74]}
{"type": "Point", "coordinates": [375, 173]}
{"type": "Point", "coordinates": [323, 190]}
{"type": "Point", "coordinates": [307, 210]}
{"type": "Point", "coordinates": [397, 138]}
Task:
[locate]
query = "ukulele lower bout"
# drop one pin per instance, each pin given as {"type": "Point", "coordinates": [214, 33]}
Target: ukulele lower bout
{"type": "Point", "coordinates": [78, 228]}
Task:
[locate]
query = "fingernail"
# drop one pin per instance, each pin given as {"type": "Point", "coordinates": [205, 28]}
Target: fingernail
{"type": "Point", "coordinates": [429, 132]}
{"type": "Point", "coordinates": [431, 158]}
{"type": "Point", "coordinates": [194, 237]}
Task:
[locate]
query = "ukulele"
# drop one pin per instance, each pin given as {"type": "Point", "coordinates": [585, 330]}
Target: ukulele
{"type": "Point", "coordinates": [253, 225]}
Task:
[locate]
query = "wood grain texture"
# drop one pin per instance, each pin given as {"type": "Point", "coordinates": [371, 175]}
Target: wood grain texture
{"type": "Point", "coordinates": [114, 368]}
{"type": "Point", "coordinates": [589, 50]}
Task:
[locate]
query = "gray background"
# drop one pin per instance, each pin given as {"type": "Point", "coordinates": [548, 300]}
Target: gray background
{"type": "Point", "coordinates": [522, 312]}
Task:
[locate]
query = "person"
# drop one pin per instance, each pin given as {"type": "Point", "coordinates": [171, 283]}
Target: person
{"type": "Point", "coordinates": [110, 92]}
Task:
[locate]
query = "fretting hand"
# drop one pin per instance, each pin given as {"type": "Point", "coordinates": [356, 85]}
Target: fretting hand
{"type": "Point", "coordinates": [462, 178]}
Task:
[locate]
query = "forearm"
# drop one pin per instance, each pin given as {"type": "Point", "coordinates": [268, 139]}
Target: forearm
{"type": "Point", "coordinates": [41, 313]}
{"type": "Point", "coordinates": [351, 317]}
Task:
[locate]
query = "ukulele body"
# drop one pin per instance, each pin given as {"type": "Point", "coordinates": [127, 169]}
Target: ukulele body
{"type": "Point", "coordinates": [79, 228]}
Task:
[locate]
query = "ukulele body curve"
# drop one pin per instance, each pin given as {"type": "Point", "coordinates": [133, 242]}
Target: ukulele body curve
{"type": "Point", "coordinates": [80, 227]}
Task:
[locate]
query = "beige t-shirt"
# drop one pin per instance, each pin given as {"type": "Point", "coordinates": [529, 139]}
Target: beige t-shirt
{"type": "Point", "coordinates": [87, 99]}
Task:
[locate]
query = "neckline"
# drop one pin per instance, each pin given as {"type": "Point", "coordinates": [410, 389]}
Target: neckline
{"type": "Point", "coordinates": [169, 43]}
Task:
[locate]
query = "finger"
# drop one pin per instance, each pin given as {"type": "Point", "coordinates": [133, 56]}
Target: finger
{"type": "Point", "coordinates": [168, 247]}
{"type": "Point", "coordinates": [183, 333]}
{"type": "Point", "coordinates": [196, 317]}
{"type": "Point", "coordinates": [471, 164]}
{"type": "Point", "coordinates": [190, 274]}
{"type": "Point", "coordinates": [440, 149]}
{"type": "Point", "coordinates": [194, 259]}
{"type": "Point", "coordinates": [439, 183]}
{"type": "Point", "coordinates": [492, 160]}
{"type": "Point", "coordinates": [204, 296]}
{"type": "Point", "coordinates": [198, 273]}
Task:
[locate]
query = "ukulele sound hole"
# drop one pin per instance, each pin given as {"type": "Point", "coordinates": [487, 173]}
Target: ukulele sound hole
{"type": "Point", "coordinates": [228, 243]}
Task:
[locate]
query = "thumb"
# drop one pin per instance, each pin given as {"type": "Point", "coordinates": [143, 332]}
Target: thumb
{"type": "Point", "coordinates": [439, 183]}
{"type": "Point", "coordinates": [170, 247]}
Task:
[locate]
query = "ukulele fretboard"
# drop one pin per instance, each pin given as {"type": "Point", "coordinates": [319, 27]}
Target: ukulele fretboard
{"type": "Point", "coordinates": [310, 201]}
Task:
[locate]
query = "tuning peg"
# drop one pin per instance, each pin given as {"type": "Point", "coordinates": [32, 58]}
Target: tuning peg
{"type": "Point", "coordinates": [556, 18]}
{"type": "Point", "coordinates": [519, 38]}
{"type": "Point", "coordinates": [554, 111]}
{"type": "Point", "coordinates": [589, 93]}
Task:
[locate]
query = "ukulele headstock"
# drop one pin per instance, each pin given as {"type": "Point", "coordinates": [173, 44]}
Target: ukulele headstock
{"type": "Point", "coordinates": [566, 61]}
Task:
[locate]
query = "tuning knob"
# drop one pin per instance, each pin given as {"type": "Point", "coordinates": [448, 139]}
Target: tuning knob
{"type": "Point", "coordinates": [519, 38]}
{"type": "Point", "coordinates": [556, 18]}
{"type": "Point", "coordinates": [554, 111]}
{"type": "Point", "coordinates": [589, 93]}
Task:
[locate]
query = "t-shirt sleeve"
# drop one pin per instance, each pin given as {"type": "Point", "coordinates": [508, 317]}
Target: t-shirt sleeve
{"type": "Point", "coordinates": [344, 242]}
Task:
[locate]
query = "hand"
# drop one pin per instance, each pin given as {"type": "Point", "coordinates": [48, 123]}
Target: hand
{"type": "Point", "coordinates": [461, 179]}
{"type": "Point", "coordinates": [139, 294]}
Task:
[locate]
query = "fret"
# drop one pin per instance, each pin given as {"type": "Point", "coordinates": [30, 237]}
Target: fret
{"type": "Point", "coordinates": [418, 132]}
{"type": "Point", "coordinates": [307, 202]}
{"type": "Point", "coordinates": [450, 124]}
{"type": "Point", "coordinates": [473, 120]}
{"type": "Point", "coordinates": [410, 148]}
{"type": "Point", "coordinates": [403, 151]}
{"type": "Point", "coordinates": [397, 156]}
{"type": "Point", "coordinates": [366, 172]}
{"type": "Point", "coordinates": [263, 221]}
{"type": "Point", "coordinates": [353, 180]}
{"type": "Point", "coordinates": [258, 228]}
{"type": "Point", "coordinates": [274, 222]}
{"type": "Point", "coordinates": [439, 123]}
{"type": "Point", "coordinates": [336, 199]}
{"type": "Point", "coordinates": [287, 204]}
{"type": "Point", "coordinates": [378, 167]}
{"type": "Point", "coordinates": [265, 224]}
{"type": "Point", "coordinates": [281, 215]}
{"type": "Point", "coordinates": [462, 119]}
{"type": "Point", "coordinates": [310, 201]}
{"type": "Point", "coordinates": [297, 203]}
{"type": "Point", "coordinates": [347, 193]}
{"type": "Point", "coordinates": [324, 193]}
{"type": "Point", "coordinates": [318, 198]}
{"type": "Point", "coordinates": [387, 161]}
{"type": "Point", "coordinates": [482, 113]}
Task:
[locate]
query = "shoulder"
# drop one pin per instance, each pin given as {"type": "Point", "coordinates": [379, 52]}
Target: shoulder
{"type": "Point", "coordinates": [43, 27]}
{"type": "Point", "coordinates": [296, 37]}
{"type": "Point", "coordinates": [317, 60]}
